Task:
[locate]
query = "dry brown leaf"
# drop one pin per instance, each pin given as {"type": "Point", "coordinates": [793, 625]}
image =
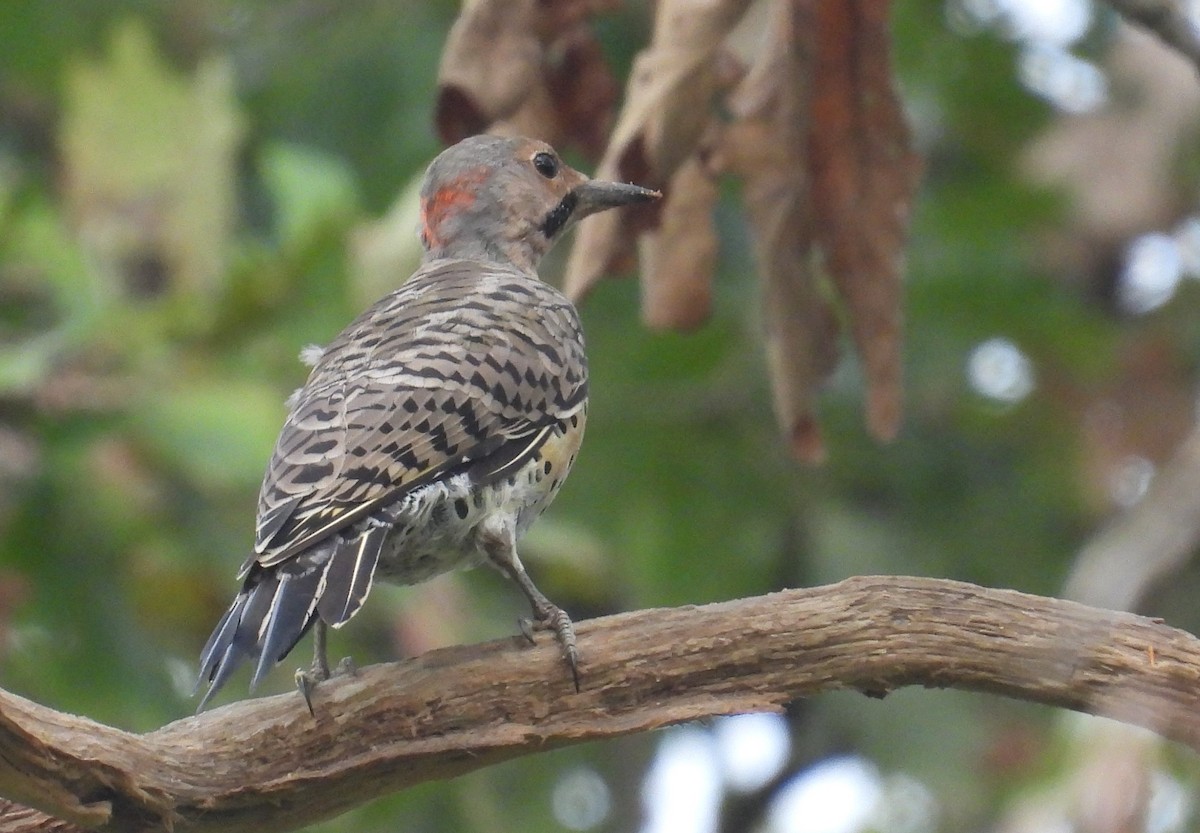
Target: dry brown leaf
{"type": "Point", "coordinates": [527, 66]}
{"type": "Point", "coordinates": [668, 105]}
{"type": "Point", "coordinates": [583, 91]}
{"type": "Point", "coordinates": [863, 179]}
{"type": "Point", "coordinates": [818, 137]}
{"type": "Point", "coordinates": [535, 117]}
{"type": "Point", "coordinates": [492, 59]}
{"type": "Point", "coordinates": [679, 256]}
{"type": "Point", "coordinates": [765, 147]}
{"type": "Point", "coordinates": [822, 145]}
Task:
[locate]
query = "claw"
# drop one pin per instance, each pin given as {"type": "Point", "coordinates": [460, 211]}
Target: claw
{"type": "Point", "coordinates": [556, 619]}
{"type": "Point", "coordinates": [564, 630]}
{"type": "Point", "coordinates": [305, 683]}
{"type": "Point", "coordinates": [526, 626]}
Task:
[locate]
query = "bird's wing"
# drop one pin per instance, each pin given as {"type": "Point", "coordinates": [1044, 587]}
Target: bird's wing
{"type": "Point", "coordinates": [446, 371]}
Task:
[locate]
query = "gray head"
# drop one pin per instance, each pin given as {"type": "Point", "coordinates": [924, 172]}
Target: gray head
{"type": "Point", "coordinates": [509, 200]}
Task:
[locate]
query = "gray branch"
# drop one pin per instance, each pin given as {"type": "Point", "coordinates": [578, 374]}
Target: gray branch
{"type": "Point", "coordinates": [265, 765]}
{"type": "Point", "coordinates": [1168, 19]}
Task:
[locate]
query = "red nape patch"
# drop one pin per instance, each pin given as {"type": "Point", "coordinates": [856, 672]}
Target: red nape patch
{"type": "Point", "coordinates": [448, 200]}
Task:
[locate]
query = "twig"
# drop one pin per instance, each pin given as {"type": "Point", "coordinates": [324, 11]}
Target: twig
{"type": "Point", "coordinates": [1169, 19]}
{"type": "Point", "coordinates": [265, 765]}
{"type": "Point", "coordinates": [1152, 539]}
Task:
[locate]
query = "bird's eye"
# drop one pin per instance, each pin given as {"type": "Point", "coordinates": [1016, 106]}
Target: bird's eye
{"type": "Point", "coordinates": [546, 165]}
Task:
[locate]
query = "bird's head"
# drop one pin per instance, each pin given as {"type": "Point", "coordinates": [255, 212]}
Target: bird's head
{"type": "Point", "coordinates": [508, 199]}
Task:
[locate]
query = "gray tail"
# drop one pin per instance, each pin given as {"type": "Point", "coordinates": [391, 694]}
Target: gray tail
{"type": "Point", "coordinates": [269, 616]}
{"type": "Point", "coordinates": [277, 606]}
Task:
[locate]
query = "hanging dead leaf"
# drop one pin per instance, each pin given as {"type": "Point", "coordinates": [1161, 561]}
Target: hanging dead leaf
{"type": "Point", "coordinates": [765, 148]}
{"type": "Point", "coordinates": [668, 105]}
{"type": "Point", "coordinates": [863, 179]}
{"type": "Point", "coordinates": [492, 59]}
{"type": "Point", "coordinates": [679, 256]}
{"type": "Point", "coordinates": [817, 136]}
{"type": "Point", "coordinates": [528, 66]}
{"type": "Point", "coordinates": [583, 92]}
{"type": "Point", "coordinates": [799, 322]}
{"type": "Point", "coordinates": [535, 117]}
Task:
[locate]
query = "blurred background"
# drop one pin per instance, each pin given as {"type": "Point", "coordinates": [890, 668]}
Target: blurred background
{"type": "Point", "coordinates": [192, 191]}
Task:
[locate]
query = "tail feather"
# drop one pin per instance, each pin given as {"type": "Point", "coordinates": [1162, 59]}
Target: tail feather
{"type": "Point", "coordinates": [243, 630]}
{"type": "Point", "coordinates": [258, 607]}
{"type": "Point", "coordinates": [350, 575]}
{"type": "Point", "coordinates": [220, 656]}
{"type": "Point", "coordinates": [288, 618]}
{"type": "Point", "coordinates": [218, 643]}
{"type": "Point", "coordinates": [226, 665]}
{"type": "Point", "coordinates": [277, 606]}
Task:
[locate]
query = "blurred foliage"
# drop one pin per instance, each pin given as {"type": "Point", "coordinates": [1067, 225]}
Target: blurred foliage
{"type": "Point", "coordinates": [190, 192]}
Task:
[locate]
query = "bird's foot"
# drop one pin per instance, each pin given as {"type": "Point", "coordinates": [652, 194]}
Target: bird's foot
{"type": "Point", "coordinates": [319, 672]}
{"type": "Point", "coordinates": [496, 536]}
{"type": "Point", "coordinates": [556, 619]}
{"type": "Point", "coordinates": [526, 625]}
{"type": "Point", "coordinates": [306, 683]}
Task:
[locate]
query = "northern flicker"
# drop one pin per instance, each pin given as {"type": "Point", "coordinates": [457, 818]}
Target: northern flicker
{"type": "Point", "coordinates": [437, 426]}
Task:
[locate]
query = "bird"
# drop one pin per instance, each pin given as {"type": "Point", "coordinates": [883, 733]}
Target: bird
{"type": "Point", "coordinates": [436, 427]}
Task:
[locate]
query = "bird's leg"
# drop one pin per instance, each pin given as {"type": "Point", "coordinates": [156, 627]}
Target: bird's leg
{"type": "Point", "coordinates": [306, 681]}
{"type": "Point", "coordinates": [498, 544]}
{"type": "Point", "coordinates": [320, 663]}
{"type": "Point", "coordinates": [319, 671]}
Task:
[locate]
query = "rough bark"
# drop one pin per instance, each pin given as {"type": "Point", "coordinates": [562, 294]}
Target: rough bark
{"type": "Point", "coordinates": [266, 765]}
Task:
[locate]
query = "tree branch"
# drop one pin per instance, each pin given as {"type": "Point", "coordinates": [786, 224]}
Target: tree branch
{"type": "Point", "coordinates": [1169, 19]}
{"type": "Point", "coordinates": [266, 765]}
{"type": "Point", "coordinates": [1150, 540]}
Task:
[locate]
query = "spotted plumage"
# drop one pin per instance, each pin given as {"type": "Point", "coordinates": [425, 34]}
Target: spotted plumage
{"type": "Point", "coordinates": [437, 426]}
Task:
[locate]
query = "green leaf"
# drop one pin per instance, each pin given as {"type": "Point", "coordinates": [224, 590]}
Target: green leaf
{"type": "Point", "coordinates": [310, 190]}
{"type": "Point", "coordinates": [217, 433]}
{"type": "Point", "coordinates": [150, 160]}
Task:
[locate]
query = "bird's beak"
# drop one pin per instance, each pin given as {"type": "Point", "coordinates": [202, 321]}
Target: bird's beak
{"type": "Point", "coordinates": [588, 198]}
{"type": "Point", "coordinates": [595, 195]}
